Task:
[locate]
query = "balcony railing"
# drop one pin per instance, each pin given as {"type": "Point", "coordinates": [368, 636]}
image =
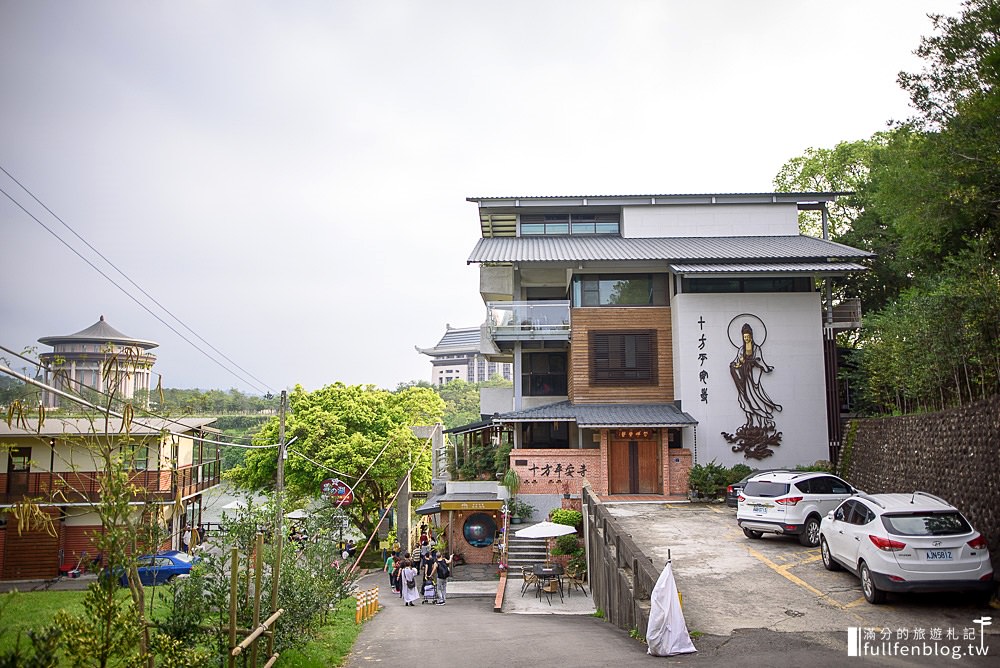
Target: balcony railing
{"type": "Point", "coordinates": [846, 315]}
{"type": "Point", "coordinates": [85, 486]}
{"type": "Point", "coordinates": [515, 321]}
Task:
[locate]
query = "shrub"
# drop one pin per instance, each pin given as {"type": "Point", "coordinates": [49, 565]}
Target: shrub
{"type": "Point", "coordinates": [567, 544]}
{"type": "Point", "coordinates": [571, 518]}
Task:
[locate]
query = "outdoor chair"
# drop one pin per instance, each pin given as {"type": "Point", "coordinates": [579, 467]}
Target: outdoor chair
{"type": "Point", "coordinates": [529, 578]}
{"type": "Point", "coordinates": [575, 578]}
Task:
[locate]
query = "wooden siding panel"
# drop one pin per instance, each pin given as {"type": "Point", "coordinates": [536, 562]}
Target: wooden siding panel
{"type": "Point", "coordinates": [611, 318]}
{"type": "Point", "coordinates": [32, 554]}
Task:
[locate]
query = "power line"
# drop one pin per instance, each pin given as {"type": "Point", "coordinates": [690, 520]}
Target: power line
{"type": "Point", "coordinates": [129, 295]}
{"type": "Point", "coordinates": [80, 384]}
{"type": "Point", "coordinates": [108, 411]}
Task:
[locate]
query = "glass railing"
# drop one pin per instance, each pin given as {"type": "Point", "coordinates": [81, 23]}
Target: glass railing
{"type": "Point", "coordinates": [528, 319]}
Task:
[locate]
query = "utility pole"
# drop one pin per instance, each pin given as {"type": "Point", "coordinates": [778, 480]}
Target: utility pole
{"type": "Point", "coordinates": [279, 532]}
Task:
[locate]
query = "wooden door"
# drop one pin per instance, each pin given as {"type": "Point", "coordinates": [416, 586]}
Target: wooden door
{"type": "Point", "coordinates": [18, 470]}
{"type": "Point", "coordinates": [634, 468]}
{"type": "Point", "coordinates": [618, 478]}
{"type": "Point", "coordinates": [649, 469]}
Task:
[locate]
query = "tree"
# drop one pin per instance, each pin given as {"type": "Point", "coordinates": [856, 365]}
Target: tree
{"type": "Point", "coordinates": [953, 194]}
{"type": "Point", "coordinates": [344, 429]}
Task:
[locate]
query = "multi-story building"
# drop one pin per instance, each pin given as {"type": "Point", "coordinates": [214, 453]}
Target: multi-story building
{"type": "Point", "coordinates": [80, 361]}
{"type": "Point", "coordinates": [457, 356]}
{"type": "Point", "coordinates": [56, 465]}
{"type": "Point", "coordinates": [650, 332]}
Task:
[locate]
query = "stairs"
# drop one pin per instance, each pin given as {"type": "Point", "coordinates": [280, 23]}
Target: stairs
{"type": "Point", "coordinates": [524, 552]}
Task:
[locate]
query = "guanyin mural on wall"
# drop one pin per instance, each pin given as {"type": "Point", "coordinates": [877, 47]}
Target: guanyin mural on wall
{"type": "Point", "coordinates": [758, 434]}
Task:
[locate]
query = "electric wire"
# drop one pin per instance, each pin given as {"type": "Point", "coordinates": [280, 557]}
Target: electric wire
{"type": "Point", "coordinates": [84, 402]}
{"type": "Point", "coordinates": [80, 384]}
{"type": "Point", "coordinates": [265, 387]}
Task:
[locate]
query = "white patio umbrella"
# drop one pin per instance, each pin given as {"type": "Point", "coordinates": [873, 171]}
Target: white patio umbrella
{"type": "Point", "coordinates": [297, 514]}
{"type": "Point", "coordinates": [233, 505]}
{"type": "Point", "coordinates": [544, 529]}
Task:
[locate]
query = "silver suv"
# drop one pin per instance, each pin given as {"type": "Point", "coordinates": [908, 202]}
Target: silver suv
{"type": "Point", "coordinates": [789, 503]}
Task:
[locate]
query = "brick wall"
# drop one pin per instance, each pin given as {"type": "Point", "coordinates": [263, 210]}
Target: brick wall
{"type": "Point", "coordinates": [953, 454]}
{"type": "Point", "coordinates": [531, 466]}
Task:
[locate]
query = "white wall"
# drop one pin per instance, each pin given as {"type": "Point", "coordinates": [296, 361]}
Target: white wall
{"type": "Point", "coordinates": [793, 346]}
{"type": "Point", "coordinates": [720, 220]}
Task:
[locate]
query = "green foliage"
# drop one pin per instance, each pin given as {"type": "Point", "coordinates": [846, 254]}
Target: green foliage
{"type": "Point", "coordinates": [212, 402]}
{"type": "Point", "coordinates": [599, 613]}
{"type": "Point", "coordinates": [847, 451]}
{"type": "Point", "coordinates": [571, 518]}
{"type": "Point", "coordinates": [567, 544]}
{"type": "Point", "coordinates": [710, 480]}
{"type": "Point", "coordinates": [345, 428]}
{"type": "Point", "coordinates": [822, 466]}
{"type": "Point", "coordinates": [636, 635]}
{"type": "Point", "coordinates": [521, 508]}
{"type": "Point", "coordinates": [937, 346]}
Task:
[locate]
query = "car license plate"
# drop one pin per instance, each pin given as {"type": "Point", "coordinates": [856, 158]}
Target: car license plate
{"type": "Point", "coordinates": [938, 555]}
{"type": "Point", "coordinates": [759, 509]}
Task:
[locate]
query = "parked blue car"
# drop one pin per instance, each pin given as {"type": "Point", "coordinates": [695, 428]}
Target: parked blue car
{"type": "Point", "coordinates": [162, 567]}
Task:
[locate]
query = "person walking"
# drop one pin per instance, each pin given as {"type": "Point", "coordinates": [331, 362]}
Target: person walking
{"type": "Point", "coordinates": [408, 578]}
{"type": "Point", "coordinates": [390, 568]}
{"type": "Point", "coordinates": [441, 571]}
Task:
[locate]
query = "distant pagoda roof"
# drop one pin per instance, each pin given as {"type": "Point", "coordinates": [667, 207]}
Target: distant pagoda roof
{"type": "Point", "coordinates": [99, 332]}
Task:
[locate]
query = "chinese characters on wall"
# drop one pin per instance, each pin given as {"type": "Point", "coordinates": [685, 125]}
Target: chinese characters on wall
{"type": "Point", "coordinates": [702, 358]}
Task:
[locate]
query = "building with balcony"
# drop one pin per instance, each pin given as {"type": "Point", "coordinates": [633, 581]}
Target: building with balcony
{"type": "Point", "coordinates": [55, 465]}
{"type": "Point", "coordinates": [80, 361]}
{"type": "Point", "coordinates": [647, 333]}
{"type": "Point", "coordinates": [457, 356]}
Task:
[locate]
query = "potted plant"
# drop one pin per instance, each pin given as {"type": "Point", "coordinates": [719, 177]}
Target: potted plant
{"type": "Point", "coordinates": [520, 510]}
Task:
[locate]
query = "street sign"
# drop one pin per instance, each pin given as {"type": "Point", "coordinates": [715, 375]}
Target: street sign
{"type": "Point", "coordinates": [336, 491]}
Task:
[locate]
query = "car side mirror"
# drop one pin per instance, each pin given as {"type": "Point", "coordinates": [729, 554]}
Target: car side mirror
{"type": "Point", "coordinates": [830, 514]}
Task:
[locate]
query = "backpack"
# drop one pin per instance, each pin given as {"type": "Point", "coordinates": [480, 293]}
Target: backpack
{"type": "Point", "coordinates": [442, 569]}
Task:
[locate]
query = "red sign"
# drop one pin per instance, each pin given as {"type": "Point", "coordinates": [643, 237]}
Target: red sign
{"type": "Point", "coordinates": [336, 491]}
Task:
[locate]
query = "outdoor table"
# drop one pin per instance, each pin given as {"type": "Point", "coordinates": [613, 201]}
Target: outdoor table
{"type": "Point", "coordinates": [547, 574]}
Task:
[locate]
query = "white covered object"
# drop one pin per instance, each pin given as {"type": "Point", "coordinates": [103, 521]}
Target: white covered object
{"type": "Point", "coordinates": [667, 633]}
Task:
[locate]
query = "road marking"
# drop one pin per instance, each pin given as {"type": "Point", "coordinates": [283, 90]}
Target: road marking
{"type": "Point", "coordinates": [783, 572]}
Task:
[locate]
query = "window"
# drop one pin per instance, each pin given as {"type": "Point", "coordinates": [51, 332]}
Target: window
{"type": "Point", "coordinates": [561, 224]}
{"type": "Point", "coordinates": [752, 284]}
{"type": "Point", "coordinates": [620, 290]}
{"type": "Point", "coordinates": [138, 457]}
{"type": "Point", "coordinates": [543, 374]}
{"type": "Point", "coordinates": [623, 358]}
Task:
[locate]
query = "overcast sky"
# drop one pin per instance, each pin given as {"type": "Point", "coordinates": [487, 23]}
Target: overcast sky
{"type": "Point", "coordinates": [289, 178]}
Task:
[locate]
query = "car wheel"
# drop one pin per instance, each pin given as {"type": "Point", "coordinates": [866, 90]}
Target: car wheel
{"type": "Point", "coordinates": [171, 579]}
{"type": "Point", "coordinates": [751, 533]}
{"type": "Point", "coordinates": [872, 594]}
{"type": "Point", "coordinates": [828, 561]}
{"type": "Point", "coordinates": [810, 533]}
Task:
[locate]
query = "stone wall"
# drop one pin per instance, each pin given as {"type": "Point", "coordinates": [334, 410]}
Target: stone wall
{"type": "Point", "coordinates": [953, 454]}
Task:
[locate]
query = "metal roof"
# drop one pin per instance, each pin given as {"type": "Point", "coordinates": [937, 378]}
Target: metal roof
{"type": "Point", "coordinates": [456, 340]}
{"type": "Point", "coordinates": [99, 332]}
{"type": "Point", "coordinates": [613, 248]}
{"type": "Point", "coordinates": [767, 267]}
{"type": "Point", "coordinates": [651, 200]}
{"type": "Point", "coordinates": [596, 416]}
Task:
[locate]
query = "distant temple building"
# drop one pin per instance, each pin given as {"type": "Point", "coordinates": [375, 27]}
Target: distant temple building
{"type": "Point", "coordinates": [77, 361]}
{"type": "Point", "coordinates": [457, 356]}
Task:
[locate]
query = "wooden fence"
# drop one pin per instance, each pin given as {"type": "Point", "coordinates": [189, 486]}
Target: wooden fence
{"type": "Point", "coordinates": [621, 576]}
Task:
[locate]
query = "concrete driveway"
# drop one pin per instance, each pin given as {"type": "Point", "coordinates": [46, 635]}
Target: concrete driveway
{"type": "Point", "coordinates": [729, 582]}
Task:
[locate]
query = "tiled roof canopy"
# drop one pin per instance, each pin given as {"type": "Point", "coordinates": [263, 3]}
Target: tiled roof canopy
{"type": "Point", "coordinates": [596, 416]}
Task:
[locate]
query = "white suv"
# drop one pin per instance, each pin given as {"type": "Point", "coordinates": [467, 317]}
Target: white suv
{"type": "Point", "coordinates": [789, 502]}
{"type": "Point", "coordinates": [906, 543]}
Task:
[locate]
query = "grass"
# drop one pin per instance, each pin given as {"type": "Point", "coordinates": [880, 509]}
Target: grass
{"type": "Point", "coordinates": [31, 610]}
{"type": "Point", "coordinates": [20, 611]}
{"type": "Point", "coordinates": [332, 644]}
